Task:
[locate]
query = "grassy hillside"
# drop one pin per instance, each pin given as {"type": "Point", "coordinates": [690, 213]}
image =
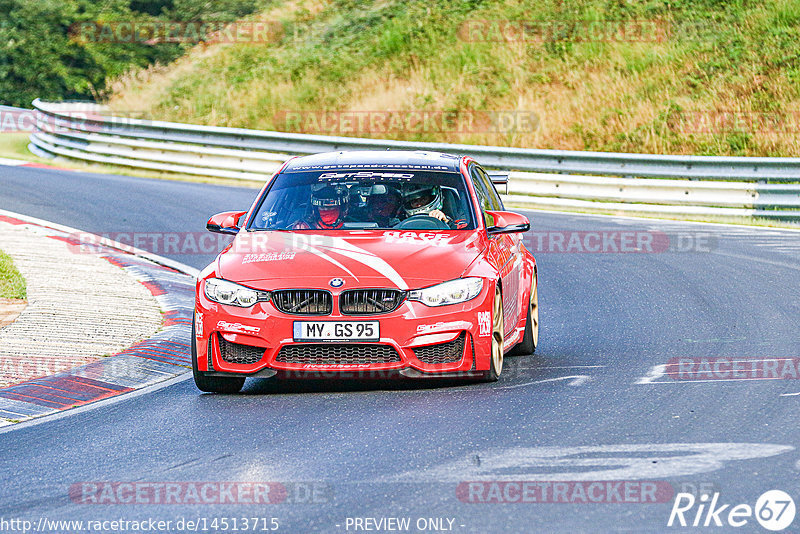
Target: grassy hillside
{"type": "Point", "coordinates": [695, 60]}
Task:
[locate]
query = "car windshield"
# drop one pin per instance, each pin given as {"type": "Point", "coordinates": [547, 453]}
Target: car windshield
{"type": "Point", "coordinates": [354, 199]}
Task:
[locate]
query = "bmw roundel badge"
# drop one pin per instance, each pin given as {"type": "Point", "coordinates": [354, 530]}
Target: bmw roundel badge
{"type": "Point", "coordinates": [336, 282]}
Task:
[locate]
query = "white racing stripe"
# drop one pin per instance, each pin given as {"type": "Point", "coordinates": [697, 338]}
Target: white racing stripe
{"type": "Point", "coordinates": [345, 248]}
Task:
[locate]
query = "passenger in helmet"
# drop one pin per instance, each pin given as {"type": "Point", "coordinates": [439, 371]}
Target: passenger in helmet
{"type": "Point", "coordinates": [328, 208]}
{"type": "Point", "coordinates": [423, 199]}
{"type": "Point", "coordinates": [384, 205]}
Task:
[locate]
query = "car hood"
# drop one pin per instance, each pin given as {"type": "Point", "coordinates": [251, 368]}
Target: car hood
{"type": "Point", "coordinates": [408, 259]}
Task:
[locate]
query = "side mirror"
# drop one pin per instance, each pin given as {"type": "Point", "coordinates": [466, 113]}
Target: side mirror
{"type": "Point", "coordinates": [507, 222]}
{"type": "Point", "coordinates": [225, 223]}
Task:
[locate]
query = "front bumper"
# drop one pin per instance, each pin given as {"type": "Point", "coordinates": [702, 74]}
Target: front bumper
{"type": "Point", "coordinates": [414, 337]}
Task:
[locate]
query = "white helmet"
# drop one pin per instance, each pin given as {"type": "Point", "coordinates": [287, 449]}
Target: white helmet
{"type": "Point", "coordinates": [421, 198]}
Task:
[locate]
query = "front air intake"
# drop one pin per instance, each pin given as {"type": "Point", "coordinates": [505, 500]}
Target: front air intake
{"type": "Point", "coordinates": [303, 301]}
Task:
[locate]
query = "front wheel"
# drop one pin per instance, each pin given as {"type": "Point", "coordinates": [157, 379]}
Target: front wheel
{"type": "Point", "coordinates": [530, 339]}
{"type": "Point", "coordinates": [496, 362]}
{"type": "Point", "coordinates": [212, 384]}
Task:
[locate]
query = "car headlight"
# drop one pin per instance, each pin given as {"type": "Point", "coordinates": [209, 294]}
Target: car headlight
{"type": "Point", "coordinates": [226, 292]}
{"type": "Point", "coordinates": [452, 292]}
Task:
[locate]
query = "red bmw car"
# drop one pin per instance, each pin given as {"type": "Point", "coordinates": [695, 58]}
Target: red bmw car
{"type": "Point", "coordinates": [367, 264]}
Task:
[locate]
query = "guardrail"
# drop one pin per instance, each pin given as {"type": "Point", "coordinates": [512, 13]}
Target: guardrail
{"type": "Point", "coordinates": [609, 182]}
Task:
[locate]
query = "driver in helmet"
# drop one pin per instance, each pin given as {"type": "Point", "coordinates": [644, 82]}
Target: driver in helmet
{"type": "Point", "coordinates": [384, 204]}
{"type": "Point", "coordinates": [423, 199]}
{"type": "Point", "coordinates": [328, 208]}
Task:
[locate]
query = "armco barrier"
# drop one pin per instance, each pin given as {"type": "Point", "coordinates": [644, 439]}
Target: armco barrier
{"type": "Point", "coordinates": [635, 183]}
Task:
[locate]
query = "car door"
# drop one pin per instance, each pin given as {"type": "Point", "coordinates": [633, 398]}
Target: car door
{"type": "Point", "coordinates": [503, 248]}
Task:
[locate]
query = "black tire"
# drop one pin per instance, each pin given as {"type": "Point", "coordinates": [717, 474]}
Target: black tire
{"type": "Point", "coordinates": [212, 384]}
{"type": "Point", "coordinates": [498, 326]}
{"type": "Point", "coordinates": [530, 338]}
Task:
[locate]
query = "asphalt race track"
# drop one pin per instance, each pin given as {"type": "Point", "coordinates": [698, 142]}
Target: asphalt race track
{"type": "Point", "coordinates": [603, 399]}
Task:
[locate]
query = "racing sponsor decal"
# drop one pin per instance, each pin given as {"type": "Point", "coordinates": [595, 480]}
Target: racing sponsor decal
{"type": "Point", "coordinates": [198, 325]}
{"type": "Point", "coordinates": [414, 166]}
{"type": "Point", "coordinates": [484, 323]}
{"type": "Point", "coordinates": [238, 328]}
{"type": "Point", "coordinates": [418, 238]}
{"type": "Point", "coordinates": [364, 174]}
{"type": "Point", "coordinates": [452, 325]}
{"type": "Point", "coordinates": [268, 256]}
{"type": "Point", "coordinates": [337, 365]}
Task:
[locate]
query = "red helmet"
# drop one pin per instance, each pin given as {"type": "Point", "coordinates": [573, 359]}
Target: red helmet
{"type": "Point", "coordinates": [331, 204]}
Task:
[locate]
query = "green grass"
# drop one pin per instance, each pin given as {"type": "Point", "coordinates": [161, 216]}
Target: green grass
{"type": "Point", "coordinates": [614, 95]}
{"type": "Point", "coordinates": [12, 284]}
{"type": "Point", "coordinates": [15, 146]}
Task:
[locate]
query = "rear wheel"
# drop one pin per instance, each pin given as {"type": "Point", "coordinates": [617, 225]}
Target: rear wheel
{"type": "Point", "coordinates": [530, 338]}
{"type": "Point", "coordinates": [212, 384]}
{"type": "Point", "coordinates": [496, 360]}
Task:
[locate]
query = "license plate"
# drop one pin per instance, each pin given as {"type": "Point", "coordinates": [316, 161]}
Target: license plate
{"type": "Point", "coordinates": [337, 331]}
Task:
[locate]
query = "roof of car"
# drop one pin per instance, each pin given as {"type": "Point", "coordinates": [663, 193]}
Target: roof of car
{"type": "Point", "coordinates": [376, 159]}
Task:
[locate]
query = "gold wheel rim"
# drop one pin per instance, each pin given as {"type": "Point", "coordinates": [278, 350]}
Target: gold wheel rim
{"type": "Point", "coordinates": [497, 332]}
{"type": "Point", "coordinates": [535, 311]}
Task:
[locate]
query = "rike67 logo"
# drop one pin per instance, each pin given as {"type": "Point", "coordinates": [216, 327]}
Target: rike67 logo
{"type": "Point", "coordinates": [774, 510]}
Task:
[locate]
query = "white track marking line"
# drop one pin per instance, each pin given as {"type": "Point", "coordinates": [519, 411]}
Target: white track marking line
{"type": "Point", "coordinates": [759, 260]}
{"type": "Point", "coordinates": [566, 367]}
{"type": "Point", "coordinates": [575, 380]}
{"type": "Point", "coordinates": [659, 371]}
{"type": "Point", "coordinates": [690, 381]}
{"type": "Point", "coordinates": [12, 162]}
{"type": "Point", "coordinates": [790, 394]}
{"type": "Point", "coordinates": [656, 371]}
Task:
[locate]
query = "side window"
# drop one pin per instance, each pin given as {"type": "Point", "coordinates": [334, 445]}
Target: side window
{"type": "Point", "coordinates": [494, 198]}
{"type": "Point", "coordinates": [480, 188]}
{"type": "Point", "coordinates": [483, 194]}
